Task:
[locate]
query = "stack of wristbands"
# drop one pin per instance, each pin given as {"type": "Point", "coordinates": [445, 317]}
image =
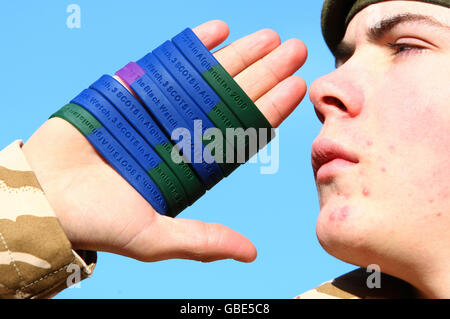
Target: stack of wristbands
{"type": "Point", "coordinates": [133, 120]}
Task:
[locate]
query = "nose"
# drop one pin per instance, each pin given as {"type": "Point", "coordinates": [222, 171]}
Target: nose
{"type": "Point", "coordinates": [336, 94]}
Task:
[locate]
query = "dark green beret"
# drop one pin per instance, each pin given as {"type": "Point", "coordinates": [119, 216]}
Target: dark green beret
{"type": "Point", "coordinates": [336, 14]}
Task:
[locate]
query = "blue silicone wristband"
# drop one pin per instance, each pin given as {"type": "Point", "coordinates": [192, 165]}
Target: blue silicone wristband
{"type": "Point", "coordinates": [194, 50]}
{"type": "Point", "coordinates": [203, 95]}
{"type": "Point", "coordinates": [131, 109]}
{"type": "Point", "coordinates": [119, 127]}
{"type": "Point", "coordinates": [222, 83]}
{"type": "Point", "coordinates": [170, 119]}
{"type": "Point", "coordinates": [185, 74]}
{"type": "Point", "coordinates": [173, 91]}
{"type": "Point", "coordinates": [138, 116]}
{"type": "Point", "coordinates": [138, 148]}
{"type": "Point", "coordinates": [114, 154]}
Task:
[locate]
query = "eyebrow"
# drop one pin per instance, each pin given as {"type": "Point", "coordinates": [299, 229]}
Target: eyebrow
{"type": "Point", "coordinates": [345, 50]}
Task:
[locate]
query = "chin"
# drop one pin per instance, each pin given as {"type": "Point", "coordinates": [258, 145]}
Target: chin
{"type": "Point", "coordinates": [342, 233]}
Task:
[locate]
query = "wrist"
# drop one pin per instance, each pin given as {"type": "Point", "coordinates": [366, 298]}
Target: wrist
{"type": "Point", "coordinates": [40, 152]}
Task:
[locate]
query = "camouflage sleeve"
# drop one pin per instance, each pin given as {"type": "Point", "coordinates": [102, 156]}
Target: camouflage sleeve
{"type": "Point", "coordinates": [36, 258]}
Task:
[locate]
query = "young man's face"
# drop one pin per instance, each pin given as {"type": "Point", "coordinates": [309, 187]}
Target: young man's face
{"type": "Point", "coordinates": [386, 115]}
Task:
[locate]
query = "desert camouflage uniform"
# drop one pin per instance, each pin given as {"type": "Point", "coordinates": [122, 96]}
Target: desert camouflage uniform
{"type": "Point", "coordinates": [353, 285]}
{"type": "Point", "coordinates": [36, 258]}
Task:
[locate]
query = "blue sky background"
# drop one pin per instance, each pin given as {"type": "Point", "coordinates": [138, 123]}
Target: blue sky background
{"type": "Point", "coordinates": [44, 64]}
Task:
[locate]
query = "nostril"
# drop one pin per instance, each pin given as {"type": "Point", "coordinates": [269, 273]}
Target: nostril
{"type": "Point", "coordinates": [319, 115]}
{"type": "Point", "coordinates": [330, 100]}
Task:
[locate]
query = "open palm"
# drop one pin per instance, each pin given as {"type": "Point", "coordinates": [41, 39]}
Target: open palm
{"type": "Point", "coordinates": [100, 211]}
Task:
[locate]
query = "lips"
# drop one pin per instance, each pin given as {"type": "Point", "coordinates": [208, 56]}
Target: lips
{"type": "Point", "coordinates": [327, 157]}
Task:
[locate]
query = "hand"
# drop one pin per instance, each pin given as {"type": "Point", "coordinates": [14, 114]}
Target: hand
{"type": "Point", "coordinates": [100, 211]}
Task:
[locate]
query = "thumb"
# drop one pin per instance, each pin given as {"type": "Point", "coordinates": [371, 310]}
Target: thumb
{"type": "Point", "coordinates": [168, 238]}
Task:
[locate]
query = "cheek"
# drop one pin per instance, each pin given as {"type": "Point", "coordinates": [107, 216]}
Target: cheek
{"type": "Point", "coordinates": [413, 128]}
{"type": "Point", "coordinates": [412, 105]}
{"type": "Point", "coordinates": [407, 121]}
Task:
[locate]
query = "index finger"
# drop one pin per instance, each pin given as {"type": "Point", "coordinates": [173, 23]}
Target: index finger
{"type": "Point", "coordinates": [212, 33]}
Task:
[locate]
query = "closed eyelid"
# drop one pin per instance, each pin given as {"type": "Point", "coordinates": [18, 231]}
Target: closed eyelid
{"type": "Point", "coordinates": [413, 41]}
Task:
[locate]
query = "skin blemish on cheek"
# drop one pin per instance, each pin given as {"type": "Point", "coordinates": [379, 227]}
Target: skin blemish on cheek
{"type": "Point", "coordinates": [439, 214]}
{"type": "Point", "coordinates": [430, 201]}
{"type": "Point", "coordinates": [339, 214]}
{"type": "Point", "coordinates": [366, 192]}
{"type": "Point", "coordinates": [383, 169]}
{"type": "Point", "coordinates": [392, 148]}
{"type": "Point", "coordinates": [369, 143]}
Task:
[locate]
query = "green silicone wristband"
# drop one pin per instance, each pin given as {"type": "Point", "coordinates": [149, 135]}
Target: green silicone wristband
{"type": "Point", "coordinates": [222, 82]}
{"type": "Point", "coordinates": [192, 185]}
{"type": "Point", "coordinates": [170, 187]}
{"type": "Point", "coordinates": [237, 100]}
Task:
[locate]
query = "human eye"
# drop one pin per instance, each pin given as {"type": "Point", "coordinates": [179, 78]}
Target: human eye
{"type": "Point", "coordinates": [404, 47]}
